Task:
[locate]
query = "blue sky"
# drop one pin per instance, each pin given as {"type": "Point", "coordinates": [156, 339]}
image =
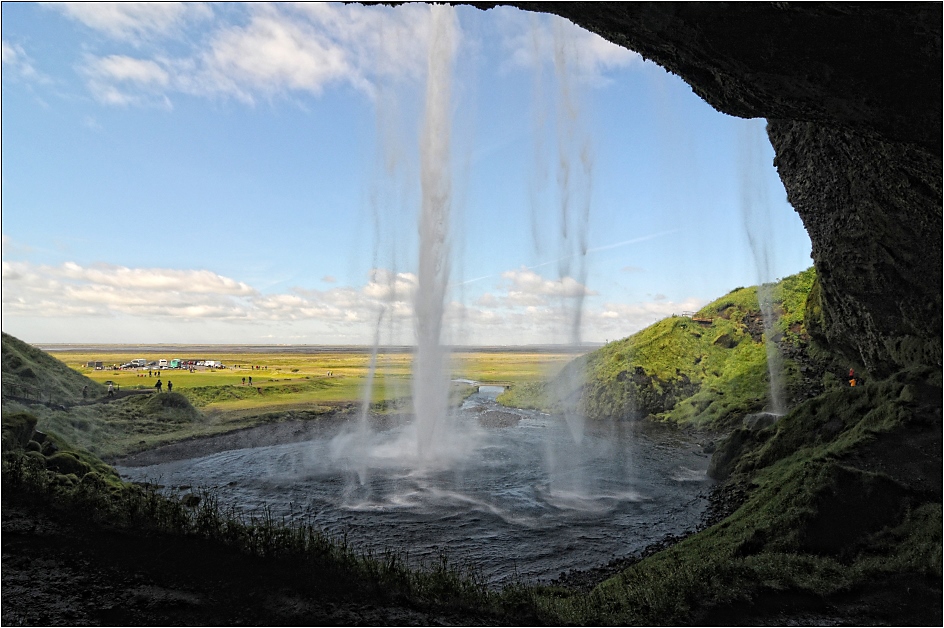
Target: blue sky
{"type": "Point", "coordinates": [250, 173]}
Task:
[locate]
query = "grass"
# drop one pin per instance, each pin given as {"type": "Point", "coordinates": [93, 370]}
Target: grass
{"type": "Point", "coordinates": [707, 371]}
{"type": "Point", "coordinates": [294, 380]}
{"type": "Point", "coordinates": [818, 519]}
{"type": "Point", "coordinates": [438, 585]}
{"type": "Point", "coordinates": [837, 496]}
{"type": "Point", "coordinates": [209, 402]}
{"type": "Point", "coordinates": [817, 522]}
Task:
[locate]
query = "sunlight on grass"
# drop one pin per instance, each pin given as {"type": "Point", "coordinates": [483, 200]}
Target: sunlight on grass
{"type": "Point", "coordinates": [282, 380]}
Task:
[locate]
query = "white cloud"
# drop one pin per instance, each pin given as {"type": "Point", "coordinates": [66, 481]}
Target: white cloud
{"type": "Point", "coordinates": [281, 49]}
{"type": "Point", "coordinates": [285, 49]}
{"type": "Point", "coordinates": [531, 40]}
{"type": "Point", "coordinates": [526, 287]}
{"type": "Point", "coordinates": [120, 68]}
{"type": "Point", "coordinates": [14, 58]}
{"type": "Point", "coordinates": [381, 42]}
{"type": "Point", "coordinates": [384, 285]}
{"type": "Point", "coordinates": [163, 279]}
{"type": "Point", "coordinates": [12, 247]}
{"type": "Point", "coordinates": [271, 54]}
{"type": "Point", "coordinates": [107, 291]}
{"type": "Point", "coordinates": [17, 63]}
{"type": "Point", "coordinates": [134, 20]}
{"type": "Point", "coordinates": [525, 309]}
{"type": "Point", "coordinates": [121, 80]}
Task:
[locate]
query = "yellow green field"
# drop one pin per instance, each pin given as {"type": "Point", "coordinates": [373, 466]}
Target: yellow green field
{"type": "Point", "coordinates": [293, 380]}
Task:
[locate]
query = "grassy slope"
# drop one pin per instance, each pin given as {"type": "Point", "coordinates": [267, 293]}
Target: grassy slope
{"type": "Point", "coordinates": [841, 497]}
{"type": "Point", "coordinates": [215, 401]}
{"type": "Point", "coordinates": [681, 370]}
{"type": "Point", "coordinates": [115, 426]}
{"type": "Point", "coordinates": [844, 498]}
{"type": "Point", "coordinates": [32, 373]}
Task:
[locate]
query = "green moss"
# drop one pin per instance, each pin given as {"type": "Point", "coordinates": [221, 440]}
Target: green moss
{"type": "Point", "coordinates": [531, 395]}
{"type": "Point", "coordinates": [17, 429]}
{"type": "Point", "coordinates": [65, 463]}
{"type": "Point", "coordinates": [707, 371]}
{"type": "Point", "coordinates": [30, 373]}
{"type": "Point", "coordinates": [836, 501]}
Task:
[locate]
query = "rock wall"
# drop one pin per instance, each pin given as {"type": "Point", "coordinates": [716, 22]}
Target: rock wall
{"type": "Point", "coordinates": [873, 212]}
{"type": "Point", "coordinates": [852, 94]}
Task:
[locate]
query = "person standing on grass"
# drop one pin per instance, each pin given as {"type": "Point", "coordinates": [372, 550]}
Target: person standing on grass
{"type": "Point", "coordinates": [250, 380]}
{"type": "Point", "coordinates": [158, 385]}
{"type": "Point", "coordinates": [111, 389]}
{"type": "Point", "coordinates": [170, 386]}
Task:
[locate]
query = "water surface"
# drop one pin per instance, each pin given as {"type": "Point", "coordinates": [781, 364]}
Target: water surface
{"type": "Point", "coordinates": [511, 494]}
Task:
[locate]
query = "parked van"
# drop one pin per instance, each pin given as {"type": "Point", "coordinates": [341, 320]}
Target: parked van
{"type": "Point", "coordinates": [162, 364]}
{"type": "Point", "coordinates": [139, 362]}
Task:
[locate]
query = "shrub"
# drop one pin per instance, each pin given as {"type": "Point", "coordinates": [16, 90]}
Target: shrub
{"type": "Point", "coordinates": [66, 463]}
{"type": "Point", "coordinates": [18, 428]}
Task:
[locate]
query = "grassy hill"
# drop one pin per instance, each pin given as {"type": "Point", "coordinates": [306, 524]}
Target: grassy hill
{"type": "Point", "coordinates": [30, 373]}
{"type": "Point", "coordinates": [49, 393]}
{"type": "Point", "coordinates": [839, 511]}
{"type": "Point", "coordinates": [708, 370]}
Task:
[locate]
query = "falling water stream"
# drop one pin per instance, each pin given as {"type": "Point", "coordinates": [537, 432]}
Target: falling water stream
{"type": "Point", "coordinates": [430, 363]}
{"type": "Point", "coordinates": [515, 494]}
{"type": "Point", "coordinates": [757, 215]}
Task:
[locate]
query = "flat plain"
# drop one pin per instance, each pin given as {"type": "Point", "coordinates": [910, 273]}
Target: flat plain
{"type": "Point", "coordinates": [293, 378]}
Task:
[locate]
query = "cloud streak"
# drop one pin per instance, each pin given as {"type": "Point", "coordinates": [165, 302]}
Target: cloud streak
{"type": "Point", "coordinates": [524, 307]}
{"type": "Point", "coordinates": [254, 51]}
{"type": "Point", "coordinates": [134, 21]}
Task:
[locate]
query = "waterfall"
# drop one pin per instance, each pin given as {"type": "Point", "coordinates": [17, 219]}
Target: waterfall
{"type": "Point", "coordinates": [430, 363]}
{"type": "Point", "coordinates": [756, 212]}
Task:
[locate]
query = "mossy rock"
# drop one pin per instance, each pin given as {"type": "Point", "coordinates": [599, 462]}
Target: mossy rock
{"type": "Point", "coordinates": [37, 458]}
{"type": "Point", "coordinates": [171, 406]}
{"type": "Point", "coordinates": [34, 446]}
{"type": "Point", "coordinates": [67, 480]}
{"type": "Point", "coordinates": [852, 505]}
{"type": "Point", "coordinates": [17, 429]}
{"type": "Point", "coordinates": [66, 463]}
{"type": "Point", "coordinates": [54, 443]}
{"type": "Point", "coordinates": [94, 479]}
{"type": "Point", "coordinates": [728, 453]}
